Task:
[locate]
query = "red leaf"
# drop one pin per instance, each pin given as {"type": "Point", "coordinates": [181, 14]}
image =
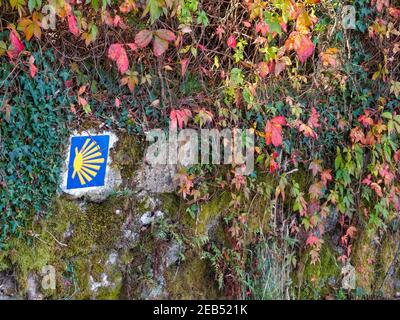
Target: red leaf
{"type": "Point", "coordinates": [273, 131]}
{"type": "Point", "coordinates": [326, 176]}
{"type": "Point", "coordinates": [312, 240]}
{"type": "Point", "coordinates": [231, 42]}
{"type": "Point", "coordinates": [132, 46]}
{"type": "Point", "coordinates": [394, 12]}
{"type": "Point", "coordinates": [184, 65]}
{"type": "Point", "coordinates": [301, 43]}
{"type": "Point", "coordinates": [180, 116]}
{"type": "Point", "coordinates": [32, 67]}
{"type": "Point", "coordinates": [143, 38]}
{"type": "Point", "coordinates": [117, 53]}
{"type": "Point", "coordinates": [159, 46]}
{"type": "Point", "coordinates": [72, 25]}
{"type": "Point", "coordinates": [263, 69]}
{"type": "Point", "coordinates": [17, 44]}
{"type": "Point", "coordinates": [165, 35]}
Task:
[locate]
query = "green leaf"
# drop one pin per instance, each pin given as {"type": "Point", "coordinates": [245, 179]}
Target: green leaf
{"type": "Point", "coordinates": [202, 18]}
{"type": "Point", "coordinates": [387, 115]}
{"type": "Point", "coordinates": [154, 8]}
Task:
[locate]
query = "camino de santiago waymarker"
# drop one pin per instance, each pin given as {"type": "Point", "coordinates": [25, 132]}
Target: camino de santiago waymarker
{"type": "Point", "coordinates": [87, 163]}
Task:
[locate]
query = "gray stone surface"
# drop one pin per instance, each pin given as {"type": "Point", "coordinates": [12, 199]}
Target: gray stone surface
{"type": "Point", "coordinates": [156, 179]}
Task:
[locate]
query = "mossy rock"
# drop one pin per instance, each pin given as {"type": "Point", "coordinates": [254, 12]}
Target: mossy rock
{"type": "Point", "coordinates": [317, 281]}
{"type": "Point", "coordinates": [377, 268]}
{"type": "Point", "coordinates": [192, 279]}
{"type": "Point", "coordinates": [96, 230]}
{"type": "Point", "coordinates": [127, 155]}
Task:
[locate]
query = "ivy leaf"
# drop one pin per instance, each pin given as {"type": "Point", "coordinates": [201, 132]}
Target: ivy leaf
{"type": "Point", "coordinates": [117, 53]}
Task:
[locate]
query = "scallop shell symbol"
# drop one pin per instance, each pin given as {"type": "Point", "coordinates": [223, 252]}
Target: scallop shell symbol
{"type": "Point", "coordinates": [86, 161]}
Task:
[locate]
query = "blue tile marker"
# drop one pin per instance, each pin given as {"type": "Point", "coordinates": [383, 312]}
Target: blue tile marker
{"type": "Point", "coordinates": [87, 161]}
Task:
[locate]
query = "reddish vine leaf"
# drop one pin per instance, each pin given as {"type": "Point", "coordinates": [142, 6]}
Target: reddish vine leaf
{"type": "Point", "coordinates": [312, 240]}
{"type": "Point", "coordinates": [394, 12]}
{"type": "Point", "coordinates": [73, 25]}
{"type": "Point", "coordinates": [179, 116]}
{"type": "Point", "coordinates": [326, 176]}
{"type": "Point", "coordinates": [117, 53]}
{"type": "Point", "coordinates": [17, 45]}
{"type": "Point", "coordinates": [143, 38]}
{"type": "Point", "coordinates": [161, 41]}
{"type": "Point", "coordinates": [159, 46]}
{"type": "Point", "coordinates": [315, 190]}
{"type": "Point", "coordinates": [132, 46]}
{"type": "Point", "coordinates": [32, 68]}
{"type": "Point", "coordinates": [301, 43]}
{"type": "Point", "coordinates": [380, 4]}
{"type": "Point", "coordinates": [315, 167]}
{"type": "Point", "coordinates": [165, 35]}
{"type": "Point", "coordinates": [273, 131]}
{"type": "Point", "coordinates": [263, 69]}
{"type": "Point", "coordinates": [231, 42]}
{"type": "Point", "coordinates": [184, 64]}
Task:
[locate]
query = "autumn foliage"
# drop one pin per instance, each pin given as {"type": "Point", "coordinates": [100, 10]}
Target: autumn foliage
{"type": "Point", "coordinates": [322, 100]}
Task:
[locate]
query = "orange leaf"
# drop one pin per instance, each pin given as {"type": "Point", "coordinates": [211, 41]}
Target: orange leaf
{"type": "Point", "coordinates": [273, 131]}
{"type": "Point", "coordinates": [301, 43]}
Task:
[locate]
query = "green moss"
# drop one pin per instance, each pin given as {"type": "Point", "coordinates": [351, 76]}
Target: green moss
{"type": "Point", "coordinates": [316, 281]}
{"type": "Point", "coordinates": [191, 280]}
{"type": "Point", "coordinates": [209, 211]}
{"type": "Point", "coordinates": [363, 259]}
{"type": "Point", "coordinates": [127, 155]}
{"type": "Point", "coordinates": [96, 231]}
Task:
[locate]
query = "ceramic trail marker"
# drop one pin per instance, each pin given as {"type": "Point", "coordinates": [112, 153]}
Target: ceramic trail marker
{"type": "Point", "coordinates": [87, 170]}
{"type": "Point", "coordinates": [87, 161]}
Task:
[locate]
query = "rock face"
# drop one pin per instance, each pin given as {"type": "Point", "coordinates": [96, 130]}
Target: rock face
{"type": "Point", "coordinates": [8, 286]}
{"type": "Point", "coordinates": [105, 242]}
{"type": "Point", "coordinates": [129, 240]}
{"type": "Point", "coordinates": [156, 179]}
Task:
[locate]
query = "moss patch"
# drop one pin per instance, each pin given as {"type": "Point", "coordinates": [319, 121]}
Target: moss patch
{"type": "Point", "coordinates": [191, 280]}
{"type": "Point", "coordinates": [318, 280]}
{"type": "Point", "coordinates": [127, 155]}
